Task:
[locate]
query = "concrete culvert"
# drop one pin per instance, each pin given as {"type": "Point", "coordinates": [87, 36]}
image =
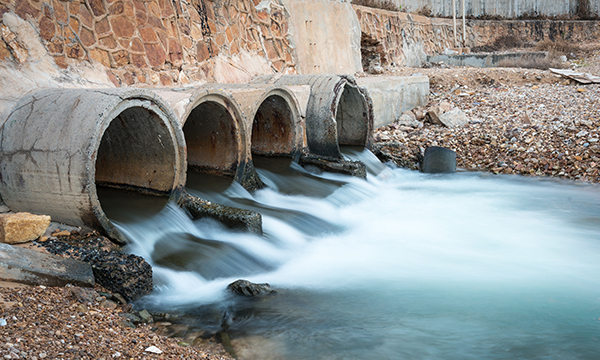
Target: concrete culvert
{"type": "Point", "coordinates": [338, 112]}
{"type": "Point", "coordinates": [212, 138]}
{"type": "Point", "coordinates": [57, 145]}
{"type": "Point", "coordinates": [272, 130]}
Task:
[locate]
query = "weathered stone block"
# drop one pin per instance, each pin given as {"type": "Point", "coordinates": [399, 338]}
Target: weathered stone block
{"type": "Point", "coordinates": [22, 227]}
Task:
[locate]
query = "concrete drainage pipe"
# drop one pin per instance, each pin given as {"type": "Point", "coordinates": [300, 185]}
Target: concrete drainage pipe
{"type": "Point", "coordinates": [338, 113]}
{"type": "Point", "coordinates": [58, 144]}
{"type": "Point", "coordinates": [224, 123]}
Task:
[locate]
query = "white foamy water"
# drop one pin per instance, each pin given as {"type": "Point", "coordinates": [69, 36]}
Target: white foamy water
{"type": "Point", "coordinates": [403, 265]}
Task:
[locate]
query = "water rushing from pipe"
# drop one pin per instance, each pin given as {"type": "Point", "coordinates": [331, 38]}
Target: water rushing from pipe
{"type": "Point", "coordinates": [402, 265]}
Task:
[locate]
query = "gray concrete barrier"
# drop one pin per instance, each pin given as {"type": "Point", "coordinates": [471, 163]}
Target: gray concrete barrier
{"type": "Point", "coordinates": [339, 112]}
{"type": "Point", "coordinates": [57, 145]}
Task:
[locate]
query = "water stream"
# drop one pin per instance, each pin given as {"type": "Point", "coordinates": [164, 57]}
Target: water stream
{"type": "Point", "coordinates": [403, 265]}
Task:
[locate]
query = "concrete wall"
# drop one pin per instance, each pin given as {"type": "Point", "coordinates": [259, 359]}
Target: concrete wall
{"type": "Point", "coordinates": [503, 8]}
{"type": "Point", "coordinates": [406, 39]}
{"type": "Point", "coordinates": [325, 35]}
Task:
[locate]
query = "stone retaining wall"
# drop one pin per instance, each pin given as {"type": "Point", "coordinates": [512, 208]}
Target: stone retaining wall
{"type": "Point", "coordinates": [405, 39]}
{"type": "Point", "coordinates": [157, 42]}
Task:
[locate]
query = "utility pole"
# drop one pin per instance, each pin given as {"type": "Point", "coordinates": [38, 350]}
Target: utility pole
{"type": "Point", "coordinates": [464, 25]}
{"type": "Point", "coordinates": [454, 18]}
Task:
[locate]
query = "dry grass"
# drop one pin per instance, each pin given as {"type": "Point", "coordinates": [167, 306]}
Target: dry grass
{"type": "Point", "coordinates": [533, 62]}
{"type": "Point", "coordinates": [504, 42]}
{"type": "Point", "coordinates": [560, 47]}
{"type": "Point", "coordinates": [377, 4]}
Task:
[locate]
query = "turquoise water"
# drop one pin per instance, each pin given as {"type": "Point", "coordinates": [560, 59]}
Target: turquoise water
{"type": "Point", "coordinates": [401, 266]}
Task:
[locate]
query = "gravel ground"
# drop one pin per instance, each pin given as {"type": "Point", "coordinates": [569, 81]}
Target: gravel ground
{"type": "Point", "coordinates": [522, 121]}
{"type": "Point", "coordinates": [50, 323]}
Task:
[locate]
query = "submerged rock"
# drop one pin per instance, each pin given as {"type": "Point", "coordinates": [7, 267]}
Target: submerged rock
{"type": "Point", "coordinates": [353, 168]}
{"type": "Point", "coordinates": [249, 289]}
{"type": "Point", "coordinates": [231, 217]}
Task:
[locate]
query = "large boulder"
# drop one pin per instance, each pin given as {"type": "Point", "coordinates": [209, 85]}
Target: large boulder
{"type": "Point", "coordinates": [22, 227]}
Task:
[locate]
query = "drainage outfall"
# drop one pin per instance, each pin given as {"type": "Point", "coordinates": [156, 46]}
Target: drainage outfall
{"type": "Point", "coordinates": [57, 145]}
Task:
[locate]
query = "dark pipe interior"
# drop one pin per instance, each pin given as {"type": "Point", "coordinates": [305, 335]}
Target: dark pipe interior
{"type": "Point", "coordinates": [352, 118]}
{"type": "Point", "coordinates": [137, 152]}
{"type": "Point", "coordinates": [272, 128]}
{"type": "Point", "coordinates": [211, 139]}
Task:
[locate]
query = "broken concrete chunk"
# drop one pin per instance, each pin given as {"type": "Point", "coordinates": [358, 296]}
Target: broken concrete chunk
{"type": "Point", "coordinates": [22, 227]}
{"type": "Point", "coordinates": [454, 118]}
{"type": "Point", "coordinates": [409, 119]}
{"type": "Point", "coordinates": [36, 268]}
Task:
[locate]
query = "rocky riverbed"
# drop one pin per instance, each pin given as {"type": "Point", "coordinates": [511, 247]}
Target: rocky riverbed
{"type": "Point", "coordinates": [521, 121]}
{"type": "Point", "coordinates": [61, 323]}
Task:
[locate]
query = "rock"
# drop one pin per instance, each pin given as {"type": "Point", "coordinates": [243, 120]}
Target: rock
{"type": "Point", "coordinates": [438, 160]}
{"type": "Point", "coordinates": [35, 268]}
{"type": "Point", "coordinates": [409, 119]}
{"type": "Point", "coordinates": [154, 350]}
{"type": "Point", "coordinates": [352, 168]}
{"type": "Point", "coordinates": [84, 295]}
{"type": "Point", "coordinates": [145, 316]}
{"type": "Point", "coordinates": [445, 106]}
{"type": "Point", "coordinates": [22, 227]}
{"type": "Point", "coordinates": [454, 118]}
{"type": "Point", "coordinates": [249, 289]}
{"type": "Point", "coordinates": [232, 217]}
{"type": "Point", "coordinates": [125, 274]}
{"type": "Point", "coordinates": [131, 318]}
{"type": "Point", "coordinates": [109, 304]}
{"type": "Point", "coordinates": [4, 209]}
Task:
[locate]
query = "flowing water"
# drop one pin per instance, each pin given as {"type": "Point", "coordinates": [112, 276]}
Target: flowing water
{"type": "Point", "coordinates": [403, 265]}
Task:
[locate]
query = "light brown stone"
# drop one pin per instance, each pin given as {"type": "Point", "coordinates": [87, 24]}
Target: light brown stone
{"type": "Point", "coordinates": [97, 7]}
{"type": "Point", "coordinates": [137, 45]}
{"type": "Point", "coordinates": [24, 8]}
{"type": "Point", "coordinates": [55, 47]}
{"type": "Point", "coordinates": [108, 42]}
{"type": "Point", "coordinates": [141, 18]}
{"type": "Point", "coordinates": [139, 61]}
{"type": "Point", "coordinates": [60, 13]}
{"type": "Point", "coordinates": [156, 55]}
{"type": "Point", "coordinates": [102, 27]}
{"type": "Point", "coordinates": [128, 78]}
{"type": "Point", "coordinates": [117, 8]}
{"type": "Point", "coordinates": [100, 56]}
{"type": "Point", "coordinates": [4, 52]}
{"type": "Point", "coordinates": [75, 51]}
{"type": "Point", "coordinates": [122, 26]}
{"type": "Point", "coordinates": [202, 52]}
{"type": "Point", "coordinates": [47, 28]}
{"type": "Point", "coordinates": [165, 79]}
{"type": "Point", "coordinates": [22, 227]}
{"type": "Point", "coordinates": [61, 61]}
{"type": "Point", "coordinates": [87, 37]}
{"type": "Point", "coordinates": [121, 58]}
{"type": "Point", "coordinates": [148, 35]}
{"type": "Point", "coordinates": [166, 7]}
{"type": "Point", "coordinates": [86, 17]}
{"type": "Point", "coordinates": [74, 24]}
{"type": "Point", "coordinates": [175, 52]}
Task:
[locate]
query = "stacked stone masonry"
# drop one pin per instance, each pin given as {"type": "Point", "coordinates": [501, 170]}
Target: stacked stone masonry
{"type": "Point", "coordinates": [154, 42]}
{"type": "Point", "coordinates": [397, 36]}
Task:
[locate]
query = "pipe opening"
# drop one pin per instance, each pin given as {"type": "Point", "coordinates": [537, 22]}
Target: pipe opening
{"type": "Point", "coordinates": [272, 128]}
{"type": "Point", "coordinates": [137, 153]}
{"type": "Point", "coordinates": [352, 117]}
{"type": "Point", "coordinates": [211, 139]}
